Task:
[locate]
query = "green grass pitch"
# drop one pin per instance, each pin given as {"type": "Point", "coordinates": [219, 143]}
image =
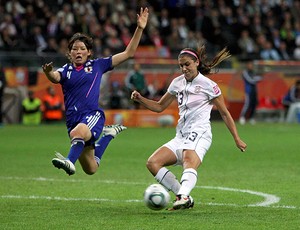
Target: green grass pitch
{"type": "Point", "coordinates": [258, 189]}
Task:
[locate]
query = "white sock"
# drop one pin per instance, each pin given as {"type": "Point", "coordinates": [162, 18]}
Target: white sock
{"type": "Point", "coordinates": [188, 181]}
{"type": "Point", "coordinates": [168, 180]}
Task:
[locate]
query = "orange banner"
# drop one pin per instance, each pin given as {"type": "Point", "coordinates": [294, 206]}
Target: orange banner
{"type": "Point", "coordinates": [16, 76]}
{"type": "Point", "coordinates": [141, 118]}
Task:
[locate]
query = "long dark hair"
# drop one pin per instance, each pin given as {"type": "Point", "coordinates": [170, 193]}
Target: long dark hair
{"type": "Point", "coordinates": [205, 67]}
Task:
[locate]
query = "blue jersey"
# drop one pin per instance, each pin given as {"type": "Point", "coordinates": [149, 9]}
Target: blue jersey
{"type": "Point", "coordinates": [81, 86]}
{"type": "Point", "coordinates": [250, 81]}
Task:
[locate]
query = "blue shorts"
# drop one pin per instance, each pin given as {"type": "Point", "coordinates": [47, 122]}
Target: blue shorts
{"type": "Point", "coordinates": [94, 119]}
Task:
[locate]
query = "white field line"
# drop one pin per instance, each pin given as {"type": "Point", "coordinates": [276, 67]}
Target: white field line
{"type": "Point", "coordinates": [269, 199]}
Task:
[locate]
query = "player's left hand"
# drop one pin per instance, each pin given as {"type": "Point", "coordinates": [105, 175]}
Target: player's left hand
{"type": "Point", "coordinates": [241, 145]}
{"type": "Point", "coordinates": [142, 18]}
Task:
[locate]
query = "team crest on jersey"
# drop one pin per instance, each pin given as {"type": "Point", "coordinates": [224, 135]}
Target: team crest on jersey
{"type": "Point", "coordinates": [88, 69]}
{"type": "Point", "coordinates": [216, 89]}
{"type": "Point", "coordinates": [197, 89]}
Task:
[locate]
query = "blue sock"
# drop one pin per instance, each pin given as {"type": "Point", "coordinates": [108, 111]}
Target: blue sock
{"type": "Point", "coordinates": [77, 145]}
{"type": "Point", "coordinates": [100, 147]}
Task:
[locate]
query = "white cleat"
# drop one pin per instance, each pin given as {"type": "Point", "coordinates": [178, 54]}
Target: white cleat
{"type": "Point", "coordinates": [113, 130]}
{"type": "Point", "coordinates": [242, 120]}
{"type": "Point", "coordinates": [252, 121]}
{"type": "Point", "coordinates": [61, 162]}
{"type": "Point", "coordinates": [183, 202]}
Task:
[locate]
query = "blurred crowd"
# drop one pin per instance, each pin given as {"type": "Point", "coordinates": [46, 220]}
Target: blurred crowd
{"type": "Point", "coordinates": [262, 29]}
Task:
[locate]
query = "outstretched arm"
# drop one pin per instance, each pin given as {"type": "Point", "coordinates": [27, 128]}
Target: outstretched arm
{"type": "Point", "coordinates": [129, 52]}
{"type": "Point", "coordinates": [53, 76]}
{"type": "Point", "coordinates": [226, 116]}
{"type": "Point", "coordinates": [155, 106]}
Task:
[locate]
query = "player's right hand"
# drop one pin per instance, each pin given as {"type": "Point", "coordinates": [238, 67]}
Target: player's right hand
{"type": "Point", "coordinates": [47, 67]}
{"type": "Point", "coordinates": [135, 95]}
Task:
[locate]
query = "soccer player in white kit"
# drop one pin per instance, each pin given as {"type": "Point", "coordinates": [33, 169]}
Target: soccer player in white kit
{"type": "Point", "coordinates": [196, 94]}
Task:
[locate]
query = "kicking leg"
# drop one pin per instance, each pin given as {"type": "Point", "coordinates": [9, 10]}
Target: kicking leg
{"type": "Point", "coordinates": [156, 165]}
{"type": "Point", "coordinates": [68, 164]}
{"type": "Point", "coordinates": [79, 134]}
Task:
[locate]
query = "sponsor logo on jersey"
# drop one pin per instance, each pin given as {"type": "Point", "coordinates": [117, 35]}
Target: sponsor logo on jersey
{"type": "Point", "coordinates": [216, 89]}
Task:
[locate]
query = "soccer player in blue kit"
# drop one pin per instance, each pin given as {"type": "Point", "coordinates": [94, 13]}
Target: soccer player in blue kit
{"type": "Point", "coordinates": [80, 81]}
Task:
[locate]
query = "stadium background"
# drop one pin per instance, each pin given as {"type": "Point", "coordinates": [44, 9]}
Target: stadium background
{"type": "Point", "coordinates": [35, 32]}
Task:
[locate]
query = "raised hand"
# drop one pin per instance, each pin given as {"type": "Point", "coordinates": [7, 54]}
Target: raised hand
{"type": "Point", "coordinates": [142, 18]}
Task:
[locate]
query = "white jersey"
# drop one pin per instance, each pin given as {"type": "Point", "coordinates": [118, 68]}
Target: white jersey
{"type": "Point", "coordinates": [194, 101]}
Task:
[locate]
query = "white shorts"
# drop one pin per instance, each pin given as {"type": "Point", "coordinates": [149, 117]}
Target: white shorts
{"type": "Point", "coordinates": [198, 139]}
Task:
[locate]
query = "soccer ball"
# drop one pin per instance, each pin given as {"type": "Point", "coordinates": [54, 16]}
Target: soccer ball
{"type": "Point", "coordinates": [156, 197]}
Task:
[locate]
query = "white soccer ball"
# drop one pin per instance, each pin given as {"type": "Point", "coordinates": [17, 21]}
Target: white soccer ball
{"type": "Point", "coordinates": [156, 197]}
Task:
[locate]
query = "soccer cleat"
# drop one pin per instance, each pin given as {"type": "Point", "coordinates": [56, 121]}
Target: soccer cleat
{"type": "Point", "coordinates": [252, 121]}
{"type": "Point", "coordinates": [113, 130]}
{"type": "Point", "coordinates": [242, 120]}
{"type": "Point", "coordinates": [61, 162]}
{"type": "Point", "coordinates": [183, 202]}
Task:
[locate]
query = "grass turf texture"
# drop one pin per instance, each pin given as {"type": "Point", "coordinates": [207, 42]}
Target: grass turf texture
{"type": "Point", "coordinates": [35, 195]}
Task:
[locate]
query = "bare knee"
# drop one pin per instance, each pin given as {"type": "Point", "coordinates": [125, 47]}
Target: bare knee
{"type": "Point", "coordinates": [89, 170]}
{"type": "Point", "coordinates": [160, 158]}
{"type": "Point", "coordinates": [76, 133]}
{"type": "Point", "coordinates": [88, 165]}
{"type": "Point", "coordinates": [149, 164]}
{"type": "Point", "coordinates": [88, 162]}
{"type": "Point", "coordinates": [153, 166]}
{"type": "Point", "coordinates": [81, 131]}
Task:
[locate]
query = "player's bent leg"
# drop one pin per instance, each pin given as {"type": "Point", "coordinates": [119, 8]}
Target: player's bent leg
{"type": "Point", "coordinates": [87, 161]}
{"type": "Point", "coordinates": [163, 156]}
